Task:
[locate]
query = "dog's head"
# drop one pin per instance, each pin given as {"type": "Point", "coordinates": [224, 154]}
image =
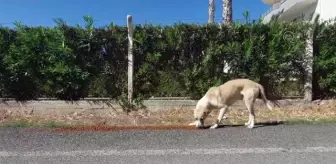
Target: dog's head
{"type": "Point", "coordinates": [200, 114]}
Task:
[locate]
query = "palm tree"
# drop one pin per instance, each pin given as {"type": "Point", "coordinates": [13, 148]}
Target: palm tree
{"type": "Point", "coordinates": [227, 11]}
{"type": "Point", "coordinates": [211, 11]}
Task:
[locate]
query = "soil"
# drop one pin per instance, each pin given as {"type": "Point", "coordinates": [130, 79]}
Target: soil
{"type": "Point", "coordinates": [110, 120]}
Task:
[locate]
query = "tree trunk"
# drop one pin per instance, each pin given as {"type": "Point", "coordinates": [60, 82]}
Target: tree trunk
{"type": "Point", "coordinates": [130, 58]}
{"type": "Point", "coordinates": [211, 18]}
{"type": "Point", "coordinates": [227, 19]}
{"type": "Point", "coordinates": [227, 11]}
{"type": "Point", "coordinates": [308, 66]}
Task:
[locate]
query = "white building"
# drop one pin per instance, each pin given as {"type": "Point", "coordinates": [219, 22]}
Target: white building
{"type": "Point", "coordinates": [306, 10]}
{"type": "Point", "coordinates": [288, 10]}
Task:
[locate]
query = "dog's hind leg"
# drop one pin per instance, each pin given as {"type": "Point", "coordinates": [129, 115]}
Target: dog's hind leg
{"type": "Point", "coordinates": [221, 114]}
{"type": "Point", "coordinates": [249, 99]}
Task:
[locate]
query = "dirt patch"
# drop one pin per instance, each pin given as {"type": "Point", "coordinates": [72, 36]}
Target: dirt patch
{"type": "Point", "coordinates": [102, 119]}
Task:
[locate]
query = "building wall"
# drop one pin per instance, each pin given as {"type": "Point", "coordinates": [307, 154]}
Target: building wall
{"type": "Point", "coordinates": [325, 8]}
{"type": "Point", "coordinates": [303, 14]}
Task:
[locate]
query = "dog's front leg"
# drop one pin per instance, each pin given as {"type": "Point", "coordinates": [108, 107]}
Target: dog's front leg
{"type": "Point", "coordinates": [222, 111]}
{"type": "Point", "coordinates": [224, 116]}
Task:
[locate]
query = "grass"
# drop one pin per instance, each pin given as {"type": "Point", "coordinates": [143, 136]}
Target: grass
{"type": "Point", "coordinates": [17, 124]}
{"type": "Point", "coordinates": [23, 123]}
{"type": "Point", "coordinates": [53, 124]}
{"type": "Point", "coordinates": [312, 121]}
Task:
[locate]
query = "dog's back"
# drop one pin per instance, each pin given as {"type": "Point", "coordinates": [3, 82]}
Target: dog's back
{"type": "Point", "coordinates": [232, 90]}
{"type": "Point", "coordinates": [240, 84]}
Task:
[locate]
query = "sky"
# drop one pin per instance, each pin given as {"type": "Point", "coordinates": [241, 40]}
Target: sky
{"type": "Point", "coordinates": [104, 12]}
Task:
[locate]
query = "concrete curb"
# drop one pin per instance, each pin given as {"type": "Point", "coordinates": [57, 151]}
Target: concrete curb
{"type": "Point", "coordinates": [151, 104]}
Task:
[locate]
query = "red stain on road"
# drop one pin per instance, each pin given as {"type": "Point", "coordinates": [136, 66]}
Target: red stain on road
{"type": "Point", "coordinates": [118, 128]}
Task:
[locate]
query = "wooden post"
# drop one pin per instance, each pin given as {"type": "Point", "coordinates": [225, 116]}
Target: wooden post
{"type": "Point", "coordinates": [130, 58]}
{"type": "Point", "coordinates": [308, 66]}
{"type": "Point", "coordinates": [211, 13]}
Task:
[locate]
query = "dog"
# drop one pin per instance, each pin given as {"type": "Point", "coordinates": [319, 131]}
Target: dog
{"type": "Point", "coordinates": [223, 96]}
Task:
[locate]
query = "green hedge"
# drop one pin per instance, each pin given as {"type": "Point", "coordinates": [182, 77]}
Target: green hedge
{"type": "Point", "coordinates": [73, 62]}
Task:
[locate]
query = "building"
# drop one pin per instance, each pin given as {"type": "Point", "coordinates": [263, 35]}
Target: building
{"type": "Point", "coordinates": [305, 10]}
{"type": "Point", "coordinates": [289, 10]}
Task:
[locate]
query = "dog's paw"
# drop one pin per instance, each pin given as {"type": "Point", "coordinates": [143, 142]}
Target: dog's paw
{"type": "Point", "coordinates": [247, 123]}
{"type": "Point", "coordinates": [250, 126]}
{"type": "Point", "coordinates": [214, 126]}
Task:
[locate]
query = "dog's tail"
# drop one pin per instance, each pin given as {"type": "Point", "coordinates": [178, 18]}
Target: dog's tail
{"type": "Point", "coordinates": [263, 97]}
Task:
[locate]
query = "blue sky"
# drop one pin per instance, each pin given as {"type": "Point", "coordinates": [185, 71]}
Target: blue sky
{"type": "Point", "coordinates": [42, 12]}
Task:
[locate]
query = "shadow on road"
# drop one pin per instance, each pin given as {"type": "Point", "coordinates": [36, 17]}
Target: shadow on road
{"type": "Point", "coordinates": [256, 125]}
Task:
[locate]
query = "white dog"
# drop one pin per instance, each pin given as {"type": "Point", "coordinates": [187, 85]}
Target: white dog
{"type": "Point", "coordinates": [225, 95]}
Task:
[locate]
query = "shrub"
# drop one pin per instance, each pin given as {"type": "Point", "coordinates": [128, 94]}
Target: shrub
{"type": "Point", "coordinates": [72, 62]}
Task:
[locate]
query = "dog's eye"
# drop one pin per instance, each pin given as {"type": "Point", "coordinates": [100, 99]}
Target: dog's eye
{"type": "Point", "coordinates": [202, 121]}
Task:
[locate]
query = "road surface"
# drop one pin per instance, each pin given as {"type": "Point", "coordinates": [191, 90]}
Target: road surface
{"type": "Point", "coordinates": [299, 144]}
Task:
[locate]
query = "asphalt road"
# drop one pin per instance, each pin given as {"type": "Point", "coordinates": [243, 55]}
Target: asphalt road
{"type": "Point", "coordinates": [299, 144]}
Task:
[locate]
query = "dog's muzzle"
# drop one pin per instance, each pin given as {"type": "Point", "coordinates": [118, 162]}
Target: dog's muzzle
{"type": "Point", "coordinates": [199, 123]}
